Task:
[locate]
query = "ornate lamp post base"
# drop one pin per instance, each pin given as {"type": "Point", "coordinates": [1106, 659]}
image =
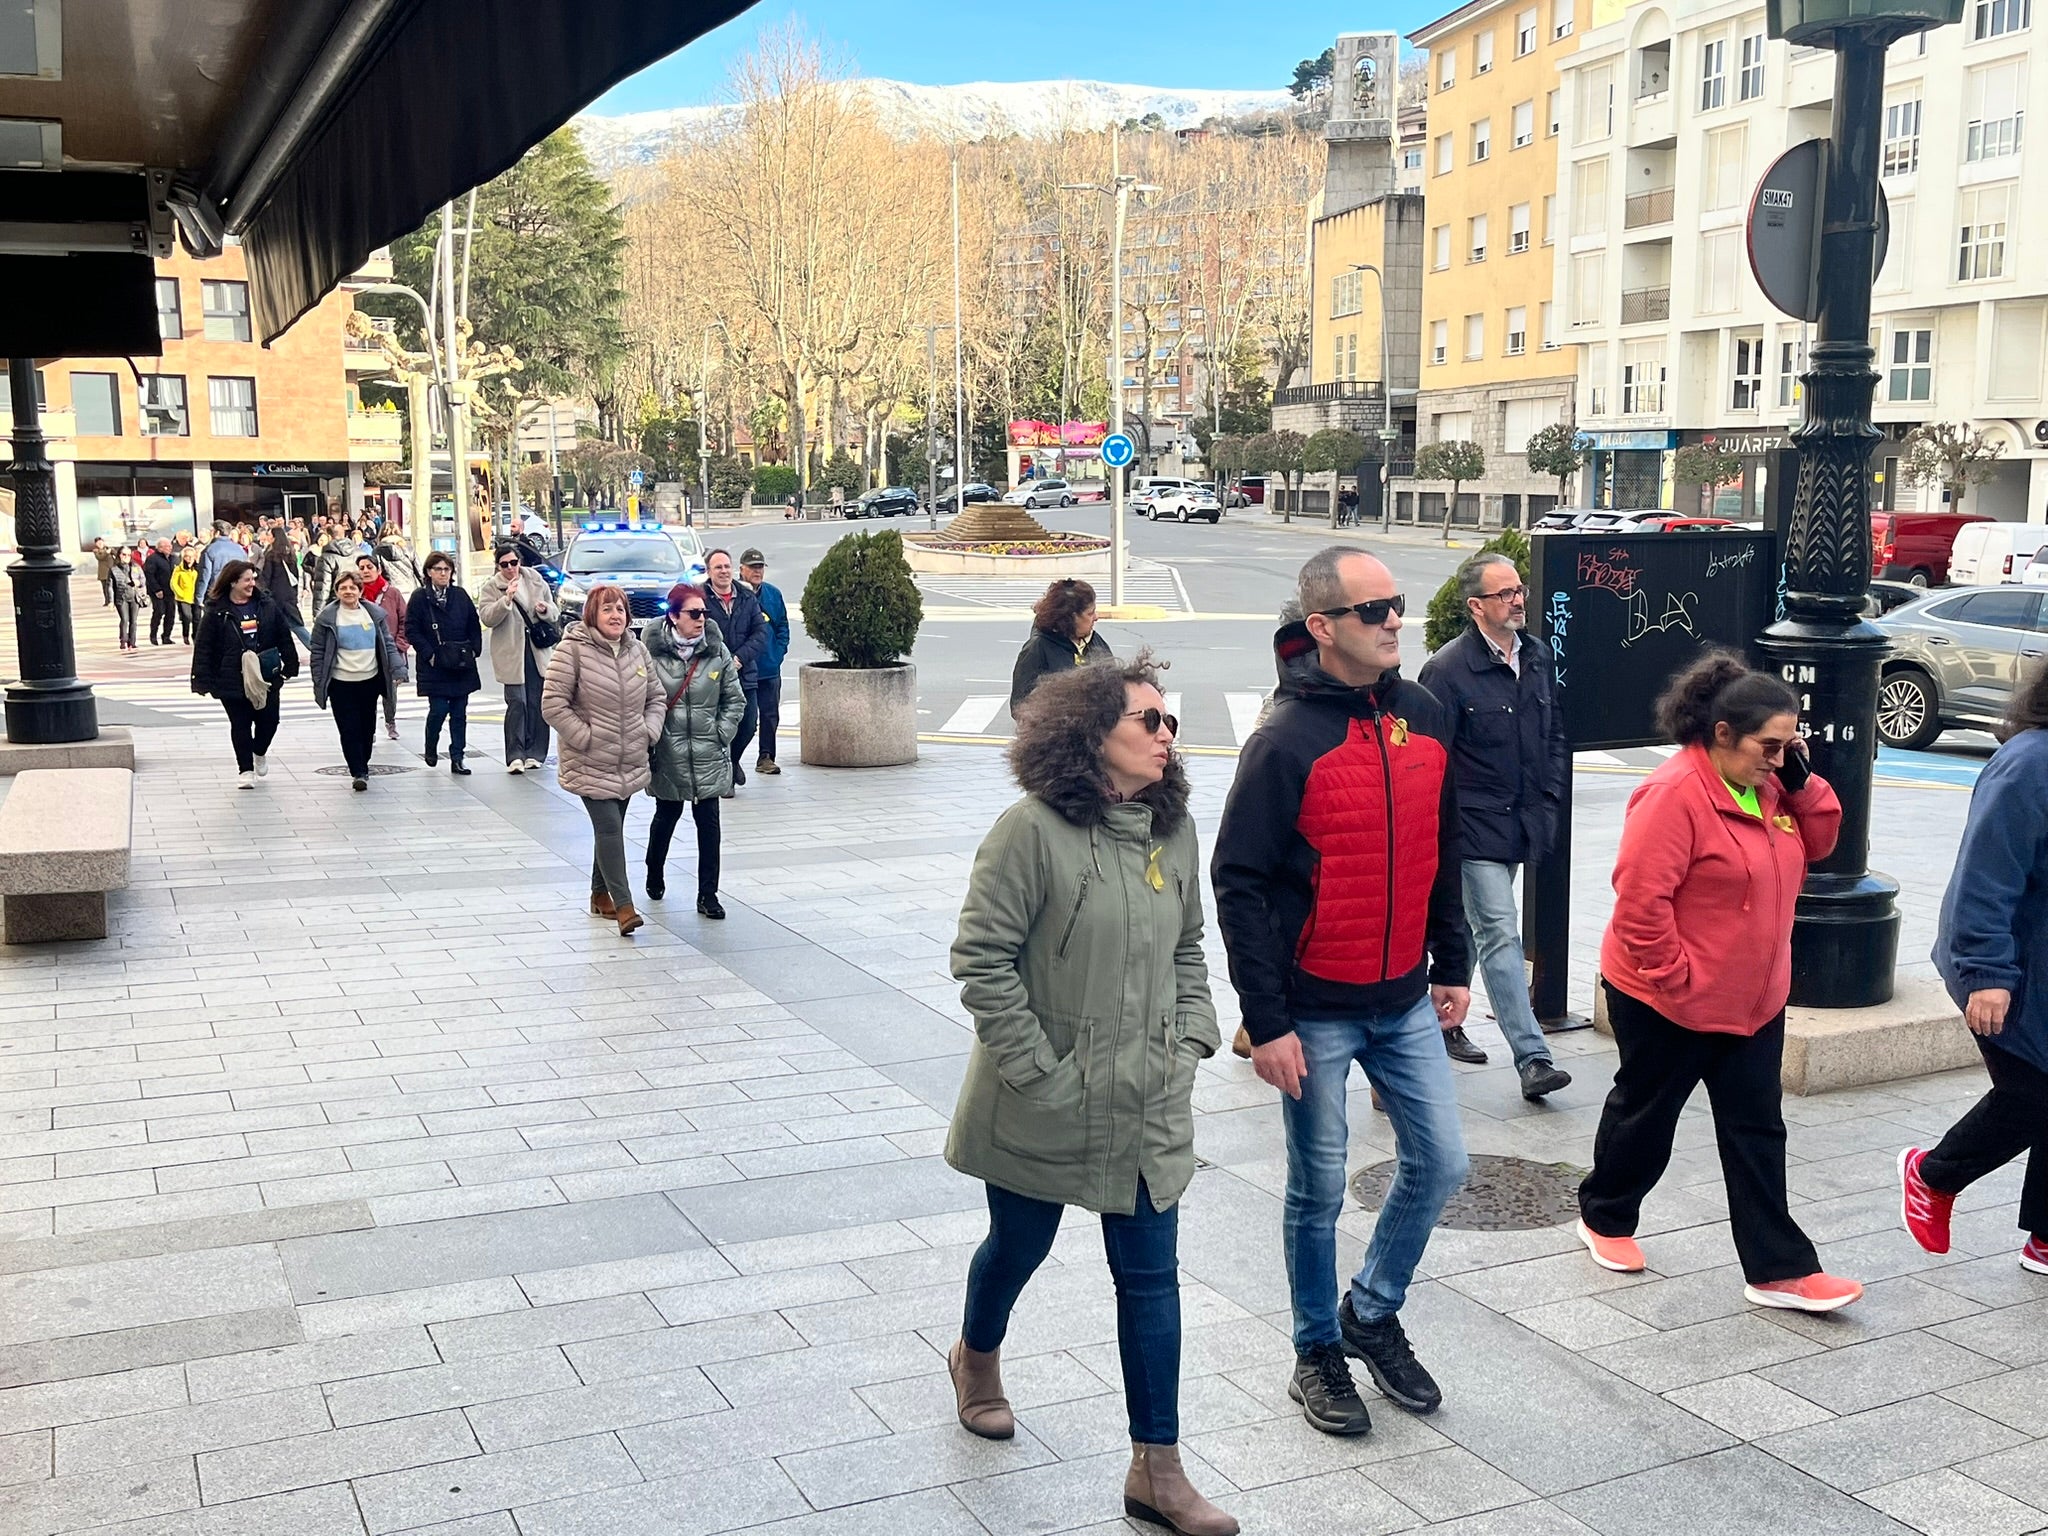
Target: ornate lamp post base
{"type": "Point", "coordinates": [48, 704]}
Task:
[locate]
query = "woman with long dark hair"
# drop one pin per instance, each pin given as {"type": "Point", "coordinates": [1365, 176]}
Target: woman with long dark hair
{"type": "Point", "coordinates": [1991, 950]}
{"type": "Point", "coordinates": [277, 570]}
{"type": "Point", "coordinates": [446, 635]}
{"type": "Point", "coordinates": [242, 657]}
{"type": "Point", "coordinates": [1062, 637]}
{"type": "Point", "coordinates": [1697, 966]}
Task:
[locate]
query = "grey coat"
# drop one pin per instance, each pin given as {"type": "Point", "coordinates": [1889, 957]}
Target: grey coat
{"type": "Point", "coordinates": [693, 760]}
{"type": "Point", "coordinates": [506, 619]}
{"type": "Point", "coordinates": [326, 642]}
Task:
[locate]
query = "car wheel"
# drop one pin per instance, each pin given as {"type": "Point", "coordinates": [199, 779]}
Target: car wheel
{"type": "Point", "coordinates": [1181, 513]}
{"type": "Point", "coordinates": [1066, 501]}
{"type": "Point", "coordinates": [1908, 714]}
{"type": "Point", "coordinates": [1920, 577]}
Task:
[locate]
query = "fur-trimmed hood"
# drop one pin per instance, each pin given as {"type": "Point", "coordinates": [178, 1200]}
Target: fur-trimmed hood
{"type": "Point", "coordinates": [1078, 788]}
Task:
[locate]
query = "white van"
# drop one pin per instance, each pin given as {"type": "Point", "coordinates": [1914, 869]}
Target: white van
{"type": "Point", "coordinates": [1987, 554]}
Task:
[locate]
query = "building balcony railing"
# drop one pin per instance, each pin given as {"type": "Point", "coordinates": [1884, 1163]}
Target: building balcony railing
{"type": "Point", "coordinates": [1646, 208]}
{"type": "Point", "coordinates": [1643, 304]}
{"type": "Point", "coordinates": [375, 427]}
{"type": "Point", "coordinates": [1339, 389]}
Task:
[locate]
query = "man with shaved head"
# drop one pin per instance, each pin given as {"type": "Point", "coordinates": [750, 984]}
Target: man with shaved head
{"type": "Point", "coordinates": [1339, 900]}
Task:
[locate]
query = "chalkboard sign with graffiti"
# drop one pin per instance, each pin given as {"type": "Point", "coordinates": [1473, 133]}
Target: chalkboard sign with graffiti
{"type": "Point", "coordinates": [1623, 613]}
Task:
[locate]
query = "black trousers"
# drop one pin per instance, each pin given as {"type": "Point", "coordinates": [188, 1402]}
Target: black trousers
{"type": "Point", "coordinates": [251, 730]}
{"type": "Point", "coordinates": [354, 707]}
{"type": "Point", "coordinates": [667, 815]}
{"type": "Point", "coordinates": [185, 622]}
{"type": "Point", "coordinates": [1661, 1064]}
{"type": "Point", "coordinates": [456, 713]}
{"type": "Point", "coordinates": [748, 721]}
{"type": "Point", "coordinates": [2012, 1118]}
{"type": "Point", "coordinates": [161, 612]}
{"type": "Point", "coordinates": [768, 696]}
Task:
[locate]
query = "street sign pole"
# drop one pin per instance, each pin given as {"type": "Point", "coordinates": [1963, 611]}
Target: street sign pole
{"type": "Point", "coordinates": [1117, 453]}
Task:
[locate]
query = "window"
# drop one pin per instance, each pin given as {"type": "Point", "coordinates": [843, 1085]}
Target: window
{"type": "Point", "coordinates": [1525, 32]}
{"type": "Point", "coordinates": [1589, 197]}
{"type": "Point", "coordinates": [232, 404]}
{"type": "Point", "coordinates": [1726, 186]}
{"type": "Point", "coordinates": [1594, 104]}
{"type": "Point", "coordinates": [1482, 139]}
{"type": "Point", "coordinates": [1713, 74]}
{"type": "Point", "coordinates": [1447, 69]}
{"type": "Point", "coordinates": [162, 397]}
{"type": "Point", "coordinates": [1791, 363]}
{"type": "Point", "coordinates": [1553, 110]}
{"type": "Point", "coordinates": [1440, 248]}
{"type": "Point", "coordinates": [1750, 84]}
{"type": "Point", "coordinates": [1994, 610]}
{"type": "Point", "coordinates": [1995, 18]}
{"type": "Point", "coordinates": [1550, 218]}
{"type": "Point", "coordinates": [1518, 229]}
{"type": "Point", "coordinates": [1589, 277]}
{"type": "Point", "coordinates": [1596, 380]}
{"type": "Point", "coordinates": [1996, 111]}
{"type": "Point", "coordinates": [1718, 253]}
{"type": "Point", "coordinates": [2015, 351]}
{"type": "Point", "coordinates": [1642, 379]}
{"type": "Point", "coordinates": [1896, 276]}
{"type": "Point", "coordinates": [1517, 331]}
{"type": "Point", "coordinates": [1560, 19]}
{"type": "Point", "coordinates": [1911, 374]}
{"type": "Point", "coordinates": [1411, 159]}
{"type": "Point", "coordinates": [1546, 325]}
{"type": "Point", "coordinates": [1747, 390]}
{"type": "Point", "coordinates": [1482, 52]}
{"type": "Point", "coordinates": [96, 400]}
{"type": "Point", "coordinates": [1347, 294]}
{"type": "Point", "coordinates": [1983, 213]}
{"type": "Point", "coordinates": [1522, 124]}
{"type": "Point", "coordinates": [1443, 154]}
{"type": "Point", "coordinates": [1902, 135]}
{"type": "Point", "coordinates": [1439, 340]}
{"type": "Point", "coordinates": [1475, 230]}
{"type": "Point", "coordinates": [1475, 337]}
{"type": "Point", "coordinates": [227, 310]}
{"type": "Point", "coordinates": [170, 323]}
{"type": "Point", "coordinates": [1521, 420]}
{"type": "Point", "coordinates": [1451, 426]}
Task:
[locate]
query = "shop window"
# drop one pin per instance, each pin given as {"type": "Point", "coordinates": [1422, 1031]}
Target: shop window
{"type": "Point", "coordinates": [96, 401]}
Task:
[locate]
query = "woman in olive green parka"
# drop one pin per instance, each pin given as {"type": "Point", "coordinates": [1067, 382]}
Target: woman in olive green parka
{"type": "Point", "coordinates": [693, 760]}
{"type": "Point", "coordinates": [1079, 956]}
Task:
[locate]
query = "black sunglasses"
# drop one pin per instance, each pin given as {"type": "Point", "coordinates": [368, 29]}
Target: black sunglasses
{"type": "Point", "coordinates": [689, 613]}
{"type": "Point", "coordinates": [1374, 612]}
{"type": "Point", "coordinates": [1152, 719]}
{"type": "Point", "coordinates": [508, 565]}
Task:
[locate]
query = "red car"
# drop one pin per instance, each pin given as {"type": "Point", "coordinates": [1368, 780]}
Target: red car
{"type": "Point", "coordinates": [1914, 546]}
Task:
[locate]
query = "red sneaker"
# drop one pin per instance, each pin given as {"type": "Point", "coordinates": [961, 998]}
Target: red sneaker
{"type": "Point", "coordinates": [1811, 1293]}
{"type": "Point", "coordinates": [1616, 1253]}
{"type": "Point", "coordinates": [2035, 1255]}
{"type": "Point", "coordinates": [1926, 1209]}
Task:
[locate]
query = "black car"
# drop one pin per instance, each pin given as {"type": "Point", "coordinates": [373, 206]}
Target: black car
{"type": "Point", "coordinates": [890, 501]}
{"type": "Point", "coordinates": [976, 491]}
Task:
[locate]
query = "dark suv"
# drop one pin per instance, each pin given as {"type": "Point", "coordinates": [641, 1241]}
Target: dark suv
{"type": "Point", "coordinates": [890, 501]}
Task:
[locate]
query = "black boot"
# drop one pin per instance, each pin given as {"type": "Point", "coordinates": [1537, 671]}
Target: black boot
{"type": "Point", "coordinates": [657, 882]}
{"type": "Point", "coordinates": [708, 906]}
{"type": "Point", "coordinates": [455, 767]}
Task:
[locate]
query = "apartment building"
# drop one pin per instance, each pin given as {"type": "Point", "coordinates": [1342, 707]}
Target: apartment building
{"type": "Point", "coordinates": [1495, 367]}
{"type": "Point", "coordinates": [218, 426]}
{"type": "Point", "coordinates": [1672, 115]}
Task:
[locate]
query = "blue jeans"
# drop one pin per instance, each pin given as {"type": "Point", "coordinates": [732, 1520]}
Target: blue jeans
{"type": "Point", "coordinates": [1403, 1056]}
{"type": "Point", "coordinates": [1496, 921]}
{"type": "Point", "coordinates": [1143, 1250]}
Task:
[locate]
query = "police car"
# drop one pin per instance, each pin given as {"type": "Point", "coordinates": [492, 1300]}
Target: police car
{"type": "Point", "coordinates": [644, 559]}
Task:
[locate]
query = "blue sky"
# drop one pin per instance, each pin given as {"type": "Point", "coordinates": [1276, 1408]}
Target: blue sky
{"type": "Point", "coordinates": [1223, 44]}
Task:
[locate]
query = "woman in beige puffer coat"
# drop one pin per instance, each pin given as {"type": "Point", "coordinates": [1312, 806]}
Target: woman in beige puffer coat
{"type": "Point", "coordinates": [606, 704]}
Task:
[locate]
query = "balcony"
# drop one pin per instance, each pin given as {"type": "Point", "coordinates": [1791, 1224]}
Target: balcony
{"type": "Point", "coordinates": [1319, 394]}
{"type": "Point", "coordinates": [1642, 305]}
{"type": "Point", "coordinates": [1642, 210]}
{"type": "Point", "coordinates": [374, 435]}
{"type": "Point", "coordinates": [376, 267]}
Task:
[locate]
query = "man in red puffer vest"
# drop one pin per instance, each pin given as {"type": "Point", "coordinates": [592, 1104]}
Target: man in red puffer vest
{"type": "Point", "coordinates": [1338, 897]}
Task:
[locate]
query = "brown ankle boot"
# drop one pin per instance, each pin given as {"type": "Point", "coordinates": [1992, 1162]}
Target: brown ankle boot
{"type": "Point", "coordinates": [978, 1385]}
{"type": "Point", "coordinates": [601, 904]}
{"type": "Point", "coordinates": [1156, 1489]}
{"type": "Point", "coordinates": [629, 919]}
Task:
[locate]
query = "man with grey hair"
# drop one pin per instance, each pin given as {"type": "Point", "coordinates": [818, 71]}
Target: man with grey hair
{"type": "Point", "coordinates": [1509, 755]}
{"type": "Point", "coordinates": [1337, 895]}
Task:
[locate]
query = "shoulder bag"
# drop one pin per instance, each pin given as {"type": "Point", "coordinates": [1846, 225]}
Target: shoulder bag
{"type": "Point", "coordinates": [449, 656]}
{"type": "Point", "coordinates": [541, 634]}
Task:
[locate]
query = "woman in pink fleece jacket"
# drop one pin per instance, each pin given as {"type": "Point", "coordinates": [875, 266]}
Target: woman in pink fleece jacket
{"type": "Point", "coordinates": [1697, 964]}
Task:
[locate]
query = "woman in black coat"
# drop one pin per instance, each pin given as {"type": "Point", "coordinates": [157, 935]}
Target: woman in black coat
{"type": "Point", "coordinates": [1062, 636]}
{"type": "Point", "coordinates": [239, 619]}
{"type": "Point", "coordinates": [447, 636]}
{"type": "Point", "coordinates": [277, 573]}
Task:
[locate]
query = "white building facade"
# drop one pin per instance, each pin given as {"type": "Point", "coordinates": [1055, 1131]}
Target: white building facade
{"type": "Point", "coordinates": [1674, 112]}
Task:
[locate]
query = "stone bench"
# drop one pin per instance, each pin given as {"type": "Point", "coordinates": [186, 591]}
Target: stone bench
{"type": "Point", "coordinates": [65, 835]}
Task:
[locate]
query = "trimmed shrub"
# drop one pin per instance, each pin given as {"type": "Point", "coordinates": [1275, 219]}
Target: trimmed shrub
{"type": "Point", "coordinates": [1447, 618]}
{"type": "Point", "coordinates": [861, 604]}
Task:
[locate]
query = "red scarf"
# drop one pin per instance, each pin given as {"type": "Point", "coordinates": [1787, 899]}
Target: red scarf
{"type": "Point", "coordinates": [373, 589]}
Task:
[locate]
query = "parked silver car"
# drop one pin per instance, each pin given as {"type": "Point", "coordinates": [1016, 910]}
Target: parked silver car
{"type": "Point", "coordinates": [1957, 657]}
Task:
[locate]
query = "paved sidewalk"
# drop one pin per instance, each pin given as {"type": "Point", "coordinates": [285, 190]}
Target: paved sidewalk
{"type": "Point", "coordinates": [363, 1184]}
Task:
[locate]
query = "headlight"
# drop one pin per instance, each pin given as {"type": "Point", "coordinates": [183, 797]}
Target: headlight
{"type": "Point", "coordinates": [572, 591]}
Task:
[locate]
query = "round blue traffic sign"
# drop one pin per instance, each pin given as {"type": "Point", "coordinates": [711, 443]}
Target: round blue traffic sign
{"type": "Point", "coordinates": [1118, 450]}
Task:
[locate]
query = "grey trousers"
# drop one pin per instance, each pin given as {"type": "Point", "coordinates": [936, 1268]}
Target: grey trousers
{"type": "Point", "coordinates": [608, 856]}
{"type": "Point", "coordinates": [526, 733]}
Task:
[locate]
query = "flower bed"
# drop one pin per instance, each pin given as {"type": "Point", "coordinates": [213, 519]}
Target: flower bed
{"type": "Point", "coordinates": [1042, 559]}
{"type": "Point", "coordinates": [1073, 546]}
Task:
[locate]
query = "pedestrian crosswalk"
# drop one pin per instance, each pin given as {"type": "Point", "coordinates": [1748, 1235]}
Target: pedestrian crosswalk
{"type": "Point", "coordinates": [176, 698]}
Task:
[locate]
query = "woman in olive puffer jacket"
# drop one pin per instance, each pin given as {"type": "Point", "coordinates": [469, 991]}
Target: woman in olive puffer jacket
{"type": "Point", "coordinates": [700, 688]}
{"type": "Point", "coordinates": [1079, 956]}
{"type": "Point", "coordinates": [604, 701]}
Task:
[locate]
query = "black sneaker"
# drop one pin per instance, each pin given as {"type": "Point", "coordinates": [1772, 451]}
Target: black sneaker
{"type": "Point", "coordinates": [1322, 1385]}
{"type": "Point", "coordinates": [1393, 1366]}
{"type": "Point", "coordinates": [1540, 1077]}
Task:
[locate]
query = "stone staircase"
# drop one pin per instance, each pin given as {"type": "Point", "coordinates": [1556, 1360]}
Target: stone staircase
{"type": "Point", "coordinates": [993, 521]}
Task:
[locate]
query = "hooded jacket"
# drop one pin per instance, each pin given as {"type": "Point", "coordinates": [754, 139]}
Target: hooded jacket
{"type": "Point", "coordinates": [1048, 652]}
{"type": "Point", "coordinates": [693, 760]}
{"type": "Point", "coordinates": [1337, 878]}
{"type": "Point", "coordinates": [218, 645]}
{"type": "Point", "coordinates": [1704, 894]}
{"type": "Point", "coordinates": [606, 704]}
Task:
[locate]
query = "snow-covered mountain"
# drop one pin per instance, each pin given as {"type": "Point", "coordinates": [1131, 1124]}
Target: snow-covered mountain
{"type": "Point", "coordinates": [956, 111]}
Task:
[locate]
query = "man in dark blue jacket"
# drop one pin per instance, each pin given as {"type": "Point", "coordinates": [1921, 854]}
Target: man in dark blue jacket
{"type": "Point", "coordinates": [744, 628]}
{"type": "Point", "coordinates": [768, 695]}
{"type": "Point", "coordinates": [1509, 754]}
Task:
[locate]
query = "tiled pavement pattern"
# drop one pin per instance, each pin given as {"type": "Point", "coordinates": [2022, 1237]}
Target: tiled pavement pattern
{"type": "Point", "coordinates": [363, 1184]}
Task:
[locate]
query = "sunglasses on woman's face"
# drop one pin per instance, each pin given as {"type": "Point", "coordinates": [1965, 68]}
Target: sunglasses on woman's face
{"type": "Point", "coordinates": [508, 565]}
{"type": "Point", "coordinates": [690, 613]}
{"type": "Point", "coordinates": [1152, 719]}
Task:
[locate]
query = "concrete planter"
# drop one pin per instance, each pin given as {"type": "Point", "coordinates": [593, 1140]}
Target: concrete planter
{"type": "Point", "coordinates": [924, 559]}
{"type": "Point", "coordinates": [858, 717]}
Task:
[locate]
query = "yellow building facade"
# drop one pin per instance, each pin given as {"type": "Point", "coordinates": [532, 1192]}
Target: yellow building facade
{"type": "Point", "coordinates": [1495, 367]}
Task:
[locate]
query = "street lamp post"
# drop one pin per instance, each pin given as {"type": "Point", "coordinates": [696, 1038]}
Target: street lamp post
{"type": "Point", "coordinates": [47, 703]}
{"type": "Point", "coordinates": [931, 441]}
{"type": "Point", "coordinates": [1846, 932]}
{"type": "Point", "coordinates": [421, 530]}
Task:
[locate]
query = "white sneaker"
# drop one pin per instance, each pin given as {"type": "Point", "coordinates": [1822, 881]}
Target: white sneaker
{"type": "Point", "coordinates": [533, 765]}
{"type": "Point", "coordinates": [262, 766]}
{"type": "Point", "coordinates": [515, 766]}
{"type": "Point", "coordinates": [247, 781]}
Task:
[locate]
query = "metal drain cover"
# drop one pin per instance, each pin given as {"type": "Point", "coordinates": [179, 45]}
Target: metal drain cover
{"type": "Point", "coordinates": [377, 770]}
{"type": "Point", "coordinates": [1504, 1194]}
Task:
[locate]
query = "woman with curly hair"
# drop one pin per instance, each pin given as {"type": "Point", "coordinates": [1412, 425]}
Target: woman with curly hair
{"type": "Point", "coordinates": [1079, 956]}
{"type": "Point", "coordinates": [1062, 637]}
{"type": "Point", "coordinates": [1697, 966]}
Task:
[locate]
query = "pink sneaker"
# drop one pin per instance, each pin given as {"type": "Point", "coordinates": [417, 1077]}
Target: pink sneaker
{"type": "Point", "coordinates": [2035, 1255]}
{"type": "Point", "coordinates": [1811, 1293]}
{"type": "Point", "coordinates": [1926, 1210]}
{"type": "Point", "coordinates": [1616, 1253]}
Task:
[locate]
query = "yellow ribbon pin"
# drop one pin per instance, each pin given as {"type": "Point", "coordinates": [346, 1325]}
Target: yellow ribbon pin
{"type": "Point", "coordinates": [1782, 823]}
{"type": "Point", "coordinates": [1153, 877]}
{"type": "Point", "coordinates": [1400, 732]}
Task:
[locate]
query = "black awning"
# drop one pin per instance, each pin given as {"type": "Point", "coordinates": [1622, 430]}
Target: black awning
{"type": "Point", "coordinates": [439, 97]}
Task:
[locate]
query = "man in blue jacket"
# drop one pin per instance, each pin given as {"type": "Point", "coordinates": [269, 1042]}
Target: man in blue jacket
{"type": "Point", "coordinates": [768, 689]}
{"type": "Point", "coordinates": [1509, 754]}
{"type": "Point", "coordinates": [741, 624]}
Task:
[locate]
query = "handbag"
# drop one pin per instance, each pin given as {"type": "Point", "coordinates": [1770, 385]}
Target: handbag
{"type": "Point", "coordinates": [541, 634]}
{"type": "Point", "coordinates": [457, 657]}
